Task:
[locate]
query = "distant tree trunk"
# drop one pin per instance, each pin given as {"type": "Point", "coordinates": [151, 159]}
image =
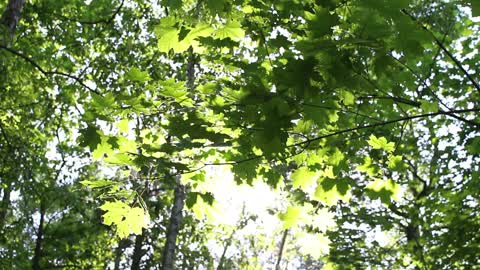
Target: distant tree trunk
{"type": "Point", "coordinates": [179, 193]}
{"type": "Point", "coordinates": [122, 244]}
{"type": "Point", "coordinates": [174, 226]}
{"type": "Point", "coordinates": [224, 253]}
{"type": "Point", "coordinates": [118, 257]}
{"type": "Point", "coordinates": [38, 243]}
{"type": "Point", "coordinates": [5, 204]}
{"type": "Point", "coordinates": [280, 252]}
{"type": "Point", "coordinates": [10, 19]}
{"type": "Point", "coordinates": [11, 15]}
{"type": "Point", "coordinates": [138, 251]}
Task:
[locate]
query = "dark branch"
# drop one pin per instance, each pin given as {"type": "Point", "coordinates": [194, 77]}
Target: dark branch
{"type": "Point", "coordinates": [412, 117]}
{"type": "Point", "coordinates": [304, 144]}
{"type": "Point", "coordinates": [395, 99]}
{"type": "Point", "coordinates": [47, 73]}
{"type": "Point", "coordinates": [445, 50]}
{"type": "Point", "coordinates": [340, 110]}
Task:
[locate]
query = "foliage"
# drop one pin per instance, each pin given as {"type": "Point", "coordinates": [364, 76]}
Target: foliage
{"type": "Point", "coordinates": [361, 116]}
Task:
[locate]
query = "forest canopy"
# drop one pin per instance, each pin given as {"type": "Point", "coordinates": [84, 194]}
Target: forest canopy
{"type": "Point", "coordinates": [239, 134]}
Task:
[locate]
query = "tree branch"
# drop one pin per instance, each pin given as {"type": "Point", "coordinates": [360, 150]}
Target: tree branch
{"type": "Point", "coordinates": [307, 142]}
{"type": "Point", "coordinates": [47, 73]}
{"type": "Point", "coordinates": [280, 252]}
{"type": "Point", "coordinates": [446, 51]}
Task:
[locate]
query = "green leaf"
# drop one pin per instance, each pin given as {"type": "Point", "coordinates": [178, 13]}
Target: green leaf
{"type": "Point", "coordinates": [120, 159]}
{"type": "Point", "coordinates": [347, 97]}
{"type": "Point", "coordinates": [171, 88]}
{"type": "Point", "coordinates": [126, 219]}
{"type": "Point", "coordinates": [98, 183]}
{"type": "Point", "coordinates": [91, 137]}
{"type": "Point", "coordinates": [103, 149]}
{"type": "Point", "coordinates": [232, 30]}
{"type": "Point", "coordinates": [395, 162]}
{"type": "Point", "coordinates": [429, 107]}
{"type": "Point", "coordinates": [368, 167]}
{"type": "Point", "coordinates": [473, 146]}
{"type": "Point", "coordinates": [122, 125]}
{"type": "Point", "coordinates": [215, 6]}
{"type": "Point", "coordinates": [201, 30]}
{"type": "Point", "coordinates": [303, 178]}
{"type": "Point", "coordinates": [168, 39]}
{"type": "Point", "coordinates": [475, 5]}
{"type": "Point", "coordinates": [381, 143]}
{"type": "Point", "coordinates": [207, 197]}
{"type": "Point", "coordinates": [172, 4]}
{"type": "Point", "coordinates": [330, 197]}
{"type": "Point", "coordinates": [292, 217]}
{"type": "Point", "coordinates": [336, 157]}
{"type": "Point", "coordinates": [191, 199]}
{"type": "Point", "coordinates": [322, 22]}
{"type": "Point", "coordinates": [136, 74]}
{"type": "Point", "coordinates": [103, 102]}
{"type": "Point", "coordinates": [385, 190]}
{"type": "Point", "coordinates": [314, 244]}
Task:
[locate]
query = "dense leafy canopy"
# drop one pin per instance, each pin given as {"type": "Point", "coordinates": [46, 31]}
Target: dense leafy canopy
{"type": "Point", "coordinates": [123, 124]}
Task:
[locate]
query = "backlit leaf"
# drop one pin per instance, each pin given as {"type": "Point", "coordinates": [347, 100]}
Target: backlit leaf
{"type": "Point", "coordinates": [303, 178]}
{"type": "Point", "coordinates": [232, 30]}
{"type": "Point", "coordinates": [381, 143]}
{"type": "Point", "coordinates": [136, 74]}
{"type": "Point", "coordinates": [126, 219]}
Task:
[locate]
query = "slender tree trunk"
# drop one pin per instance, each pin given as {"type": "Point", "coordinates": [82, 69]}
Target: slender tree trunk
{"type": "Point", "coordinates": [118, 257]}
{"type": "Point", "coordinates": [5, 204]}
{"type": "Point", "coordinates": [10, 19]}
{"type": "Point", "coordinates": [179, 193]}
{"type": "Point", "coordinates": [38, 243]}
{"type": "Point", "coordinates": [11, 15]}
{"type": "Point", "coordinates": [138, 252]}
{"type": "Point", "coordinates": [280, 252]}
{"type": "Point", "coordinates": [174, 226]}
{"type": "Point", "coordinates": [122, 244]}
{"type": "Point", "coordinates": [222, 258]}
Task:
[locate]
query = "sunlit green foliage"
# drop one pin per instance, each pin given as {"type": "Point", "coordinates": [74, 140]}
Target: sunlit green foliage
{"type": "Point", "coordinates": [362, 116]}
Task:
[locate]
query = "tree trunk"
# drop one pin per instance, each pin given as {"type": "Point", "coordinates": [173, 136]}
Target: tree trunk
{"type": "Point", "coordinates": [11, 15]}
{"type": "Point", "coordinates": [10, 18]}
{"type": "Point", "coordinates": [122, 244]}
{"type": "Point", "coordinates": [5, 204]}
{"type": "Point", "coordinates": [38, 243]}
{"type": "Point", "coordinates": [280, 252]}
{"type": "Point", "coordinates": [138, 251]}
{"type": "Point", "coordinates": [174, 226]}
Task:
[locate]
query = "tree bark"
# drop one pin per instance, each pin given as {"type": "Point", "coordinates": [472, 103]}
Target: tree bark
{"type": "Point", "coordinates": [224, 253]}
{"type": "Point", "coordinates": [122, 244]}
{"type": "Point", "coordinates": [10, 18]}
{"type": "Point", "coordinates": [5, 204]}
{"type": "Point", "coordinates": [280, 252]}
{"type": "Point", "coordinates": [38, 243]}
{"type": "Point", "coordinates": [11, 15]}
{"type": "Point", "coordinates": [174, 226]}
{"type": "Point", "coordinates": [138, 252]}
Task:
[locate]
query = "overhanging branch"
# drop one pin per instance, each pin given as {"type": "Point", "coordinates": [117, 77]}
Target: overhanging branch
{"type": "Point", "coordinates": [402, 119]}
{"type": "Point", "coordinates": [47, 73]}
{"type": "Point", "coordinates": [304, 144]}
{"type": "Point", "coordinates": [446, 51]}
